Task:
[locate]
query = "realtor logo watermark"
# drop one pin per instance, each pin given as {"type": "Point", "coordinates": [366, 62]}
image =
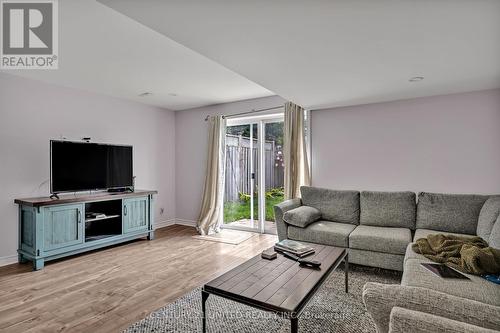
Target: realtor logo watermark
{"type": "Point", "coordinates": [29, 34]}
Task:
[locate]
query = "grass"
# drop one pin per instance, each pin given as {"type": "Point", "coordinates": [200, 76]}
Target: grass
{"type": "Point", "coordinates": [239, 210]}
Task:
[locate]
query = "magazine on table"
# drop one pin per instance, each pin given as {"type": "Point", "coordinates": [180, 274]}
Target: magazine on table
{"type": "Point", "coordinates": [294, 247]}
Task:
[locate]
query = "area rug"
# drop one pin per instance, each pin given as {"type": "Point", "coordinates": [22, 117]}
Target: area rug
{"type": "Point", "coordinates": [330, 310]}
{"type": "Point", "coordinates": [234, 237]}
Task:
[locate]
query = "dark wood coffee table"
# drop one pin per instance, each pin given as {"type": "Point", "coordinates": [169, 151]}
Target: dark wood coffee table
{"type": "Point", "coordinates": [281, 285]}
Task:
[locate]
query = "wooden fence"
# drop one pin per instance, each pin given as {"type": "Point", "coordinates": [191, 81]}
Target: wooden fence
{"type": "Point", "coordinates": [238, 173]}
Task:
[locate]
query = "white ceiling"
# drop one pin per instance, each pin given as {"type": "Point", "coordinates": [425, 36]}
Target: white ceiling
{"type": "Point", "coordinates": [103, 51]}
{"type": "Point", "coordinates": [329, 53]}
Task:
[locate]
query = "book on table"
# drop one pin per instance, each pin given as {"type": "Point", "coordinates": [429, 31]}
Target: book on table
{"type": "Point", "coordinates": [294, 247]}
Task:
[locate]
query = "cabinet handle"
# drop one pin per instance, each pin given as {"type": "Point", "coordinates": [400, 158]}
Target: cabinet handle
{"type": "Point", "coordinates": [125, 210]}
{"type": "Point", "coordinates": [79, 218]}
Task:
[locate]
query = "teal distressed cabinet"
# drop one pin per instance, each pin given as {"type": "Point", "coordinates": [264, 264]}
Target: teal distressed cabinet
{"type": "Point", "coordinates": [62, 226]}
{"type": "Point", "coordinates": [135, 214]}
{"type": "Point", "coordinates": [55, 228]}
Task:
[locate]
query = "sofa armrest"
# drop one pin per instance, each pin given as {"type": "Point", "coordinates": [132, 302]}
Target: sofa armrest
{"type": "Point", "coordinates": [380, 298]}
{"type": "Point", "coordinates": [281, 209]}
{"type": "Point", "coordinates": [404, 320]}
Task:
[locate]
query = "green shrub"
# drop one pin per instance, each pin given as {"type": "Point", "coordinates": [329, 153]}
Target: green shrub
{"type": "Point", "coordinates": [234, 211]}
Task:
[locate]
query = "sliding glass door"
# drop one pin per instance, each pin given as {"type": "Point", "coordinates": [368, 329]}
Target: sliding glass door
{"type": "Point", "coordinates": [240, 204]}
{"type": "Point", "coordinates": [273, 175]}
{"type": "Point", "coordinates": [254, 172]}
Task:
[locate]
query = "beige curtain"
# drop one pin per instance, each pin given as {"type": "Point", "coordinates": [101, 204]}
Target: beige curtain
{"type": "Point", "coordinates": [294, 151]}
{"type": "Point", "coordinates": [212, 205]}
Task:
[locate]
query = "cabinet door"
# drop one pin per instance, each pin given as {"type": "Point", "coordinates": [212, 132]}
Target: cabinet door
{"type": "Point", "coordinates": [135, 214]}
{"type": "Point", "coordinates": [62, 226]}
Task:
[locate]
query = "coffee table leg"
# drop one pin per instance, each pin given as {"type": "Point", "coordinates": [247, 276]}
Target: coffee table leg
{"type": "Point", "coordinates": [204, 296]}
{"type": "Point", "coordinates": [294, 327]}
{"type": "Point", "coordinates": [346, 261]}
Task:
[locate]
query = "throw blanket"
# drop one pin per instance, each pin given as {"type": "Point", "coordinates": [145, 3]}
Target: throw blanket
{"type": "Point", "coordinates": [466, 254]}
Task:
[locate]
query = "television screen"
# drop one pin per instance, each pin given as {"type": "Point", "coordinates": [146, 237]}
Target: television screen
{"type": "Point", "coordinates": [80, 166]}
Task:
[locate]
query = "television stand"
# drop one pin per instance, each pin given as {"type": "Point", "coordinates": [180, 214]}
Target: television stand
{"type": "Point", "coordinates": [54, 196]}
{"type": "Point", "coordinates": [51, 229]}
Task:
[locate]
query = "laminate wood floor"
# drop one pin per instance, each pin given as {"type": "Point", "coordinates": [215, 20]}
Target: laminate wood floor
{"type": "Point", "coordinates": [110, 289]}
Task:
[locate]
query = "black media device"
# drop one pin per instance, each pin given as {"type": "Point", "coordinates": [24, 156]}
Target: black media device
{"type": "Point", "coordinates": [83, 166]}
{"type": "Point", "coordinates": [269, 254]}
{"type": "Point", "coordinates": [302, 261]}
{"type": "Point", "coordinates": [444, 271]}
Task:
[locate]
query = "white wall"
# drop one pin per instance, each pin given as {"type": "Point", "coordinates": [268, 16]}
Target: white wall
{"type": "Point", "coordinates": [32, 113]}
{"type": "Point", "coordinates": [444, 144]}
{"type": "Point", "coordinates": [191, 151]}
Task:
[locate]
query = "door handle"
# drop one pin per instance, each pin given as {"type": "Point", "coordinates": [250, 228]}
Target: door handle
{"type": "Point", "coordinates": [125, 210]}
{"type": "Point", "coordinates": [79, 214]}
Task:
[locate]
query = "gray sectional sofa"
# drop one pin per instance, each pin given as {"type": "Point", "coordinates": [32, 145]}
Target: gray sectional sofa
{"type": "Point", "coordinates": [379, 228]}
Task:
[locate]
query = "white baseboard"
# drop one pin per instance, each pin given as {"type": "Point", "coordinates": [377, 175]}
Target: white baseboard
{"type": "Point", "coordinates": [162, 224]}
{"type": "Point", "coordinates": [187, 223]}
{"type": "Point", "coordinates": [169, 222]}
{"type": "Point", "coordinates": [8, 260]}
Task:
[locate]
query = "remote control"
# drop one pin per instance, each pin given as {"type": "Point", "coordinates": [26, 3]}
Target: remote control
{"type": "Point", "coordinates": [303, 261]}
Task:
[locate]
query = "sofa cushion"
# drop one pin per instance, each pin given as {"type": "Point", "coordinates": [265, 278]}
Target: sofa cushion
{"type": "Point", "coordinates": [449, 212]}
{"type": "Point", "coordinates": [302, 216]}
{"type": "Point", "coordinates": [410, 254]}
{"type": "Point", "coordinates": [388, 209]}
{"type": "Point", "coordinates": [487, 217]}
{"type": "Point", "coordinates": [336, 206]}
{"type": "Point", "coordinates": [376, 259]}
{"type": "Point", "coordinates": [323, 232]}
{"type": "Point", "coordinates": [380, 239]}
{"type": "Point", "coordinates": [477, 288]}
{"type": "Point", "coordinates": [403, 320]}
{"type": "Point", "coordinates": [380, 300]}
{"type": "Point", "coordinates": [494, 240]}
{"type": "Point", "coordinates": [423, 233]}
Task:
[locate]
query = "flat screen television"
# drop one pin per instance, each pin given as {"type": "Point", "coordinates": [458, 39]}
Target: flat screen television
{"type": "Point", "coordinates": [82, 166]}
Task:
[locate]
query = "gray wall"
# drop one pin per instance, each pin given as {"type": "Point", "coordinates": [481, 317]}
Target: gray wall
{"type": "Point", "coordinates": [444, 144]}
{"type": "Point", "coordinates": [32, 113]}
{"type": "Point", "coordinates": [191, 150]}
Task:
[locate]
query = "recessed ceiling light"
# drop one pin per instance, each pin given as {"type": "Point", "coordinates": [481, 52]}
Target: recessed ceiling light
{"type": "Point", "coordinates": [145, 94]}
{"type": "Point", "coordinates": [416, 79]}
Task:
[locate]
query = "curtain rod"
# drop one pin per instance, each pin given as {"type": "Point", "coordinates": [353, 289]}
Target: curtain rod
{"type": "Point", "coordinates": [248, 112]}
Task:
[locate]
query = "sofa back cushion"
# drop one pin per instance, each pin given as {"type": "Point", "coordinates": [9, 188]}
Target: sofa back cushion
{"type": "Point", "coordinates": [388, 209]}
{"type": "Point", "coordinates": [456, 213]}
{"type": "Point", "coordinates": [336, 206]}
{"type": "Point", "coordinates": [487, 217]}
{"type": "Point", "coordinates": [494, 240]}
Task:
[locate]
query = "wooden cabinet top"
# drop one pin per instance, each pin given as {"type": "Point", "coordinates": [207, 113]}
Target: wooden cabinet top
{"type": "Point", "coordinates": [80, 197]}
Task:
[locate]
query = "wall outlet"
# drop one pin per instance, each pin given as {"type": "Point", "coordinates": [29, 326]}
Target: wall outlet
{"type": "Point", "coordinates": [162, 211]}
